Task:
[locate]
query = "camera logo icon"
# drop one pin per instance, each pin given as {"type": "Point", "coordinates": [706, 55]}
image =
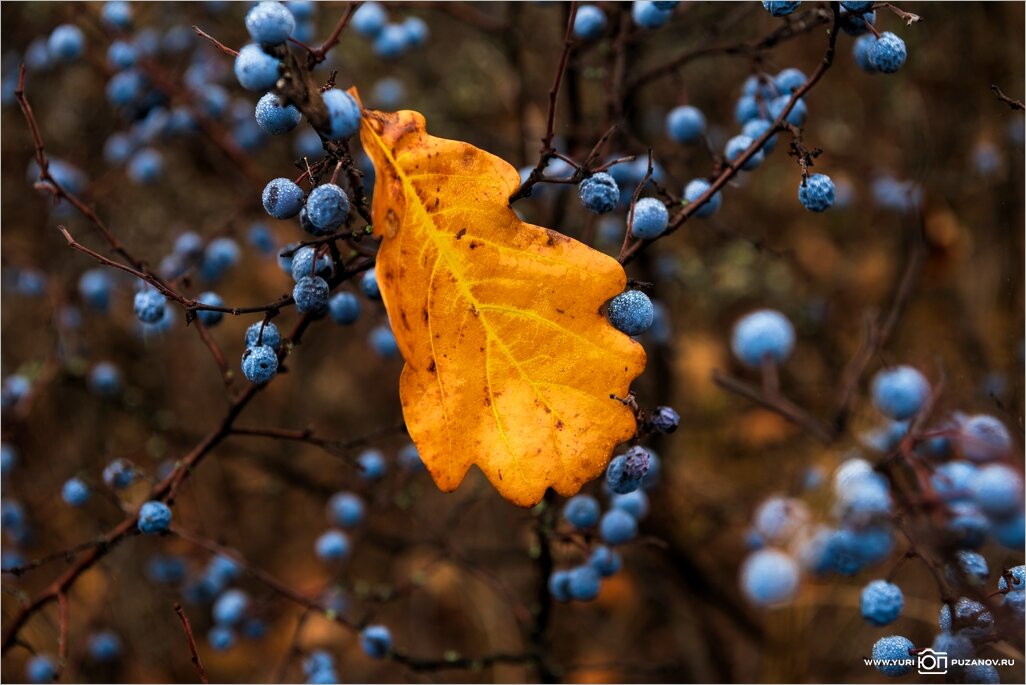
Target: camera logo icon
{"type": "Point", "coordinates": [932, 663]}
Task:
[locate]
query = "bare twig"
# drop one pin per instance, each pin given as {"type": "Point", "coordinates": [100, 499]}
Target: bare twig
{"type": "Point", "coordinates": [192, 643]}
{"type": "Point", "coordinates": [215, 42]}
{"type": "Point", "coordinates": [1000, 95]}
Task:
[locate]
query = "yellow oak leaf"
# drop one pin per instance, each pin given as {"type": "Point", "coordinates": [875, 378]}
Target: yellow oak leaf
{"type": "Point", "coordinates": [510, 364]}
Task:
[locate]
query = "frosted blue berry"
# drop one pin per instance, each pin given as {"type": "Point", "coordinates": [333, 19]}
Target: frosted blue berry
{"type": "Point", "coordinates": [769, 577]}
{"type": "Point", "coordinates": [369, 285]}
{"type": "Point", "coordinates": [861, 49]}
{"type": "Point", "coordinates": [282, 198]}
{"type": "Point", "coordinates": [303, 263]}
{"type": "Point", "coordinates": [617, 527]}
{"type": "Point", "coordinates": [12, 515]}
{"type": "Point", "coordinates": [796, 117]}
{"type": "Point", "coordinates": [754, 128]}
{"type": "Point", "coordinates": [892, 655]}
{"type": "Point", "coordinates": [345, 509]}
{"type": "Point", "coordinates": [149, 305]}
{"type": "Point", "coordinates": [599, 193]}
{"type": "Point", "coordinates": [736, 146]}
{"type": "Point", "coordinates": [311, 295]}
{"type": "Point", "coordinates": [617, 479]}
{"type": "Point", "coordinates": [383, 341]}
{"type": "Point", "coordinates": [146, 166]}
{"type": "Point", "coordinates": [416, 31]}
{"type": "Point", "coordinates": [582, 511]}
{"type": "Point", "coordinates": [780, 8]}
{"type": "Point", "coordinates": [746, 109]}
{"type": "Point", "coordinates": [327, 207]}
{"type": "Point", "coordinates": [409, 457]}
{"type": "Point", "coordinates": [779, 519]}
{"type": "Point", "coordinates": [982, 673]}
{"type": "Point", "coordinates": [983, 438]}
{"type": "Point", "coordinates": [261, 333]}
{"type": "Point", "coordinates": [900, 392]}
{"type": "Point", "coordinates": [650, 219]}
{"type": "Point", "coordinates": [391, 42]}
{"type": "Point", "coordinates": [230, 607]}
{"type": "Point", "coordinates": [376, 641]}
{"type": "Point", "coordinates": [66, 43]}
{"type": "Point", "coordinates": [121, 55]}
{"type": "Point", "coordinates": [881, 602]}
{"type": "Point", "coordinates": [762, 333]}
{"type": "Point", "coordinates": [95, 288]}
{"type": "Point", "coordinates": [584, 583]}
{"type": "Point", "coordinates": [118, 148]}
{"type": "Point", "coordinates": [695, 189]}
{"type": "Point", "coordinates": [855, 23]}
{"type": "Point", "coordinates": [967, 524]}
{"type": "Point", "coordinates": [856, 5]}
{"type": "Point", "coordinates": [255, 69]}
{"type": "Point", "coordinates": [631, 312]}
{"type": "Point", "coordinates": [589, 23]}
{"type": "Point", "coordinates": [221, 638]}
{"type": "Point", "coordinates": [369, 19]}
{"type": "Point", "coordinates": [951, 480]}
{"type": "Point", "coordinates": [166, 569]}
{"type": "Point", "coordinates": [332, 546]}
{"type": "Point", "coordinates": [274, 118]}
{"type": "Point", "coordinates": [210, 317]}
{"type": "Point", "coordinates": [343, 114]}
{"type": "Point", "coordinates": [685, 124]}
{"type": "Point", "coordinates": [344, 308]}
{"type": "Point", "coordinates": [888, 53]}
{"type": "Point", "coordinates": [972, 567]}
{"type": "Point", "coordinates": [270, 22]}
{"type": "Point", "coordinates": [154, 517]}
{"type": "Point", "coordinates": [789, 80]}
{"type": "Point", "coordinates": [634, 503]}
{"type": "Point", "coordinates": [119, 474]}
{"type": "Point", "coordinates": [559, 586]}
{"type": "Point", "coordinates": [75, 492]}
{"type": "Point", "coordinates": [40, 669]}
{"type": "Point", "coordinates": [105, 646]}
{"type": "Point", "coordinates": [665, 419]}
{"type": "Point", "coordinates": [387, 93]}
{"type": "Point", "coordinates": [221, 254]}
{"type": "Point", "coordinates": [998, 490]}
{"type": "Point", "coordinates": [1018, 576]}
{"type": "Point", "coordinates": [261, 238]}
{"type": "Point", "coordinates": [372, 464]}
{"type": "Point", "coordinates": [647, 15]}
{"type": "Point", "coordinates": [8, 458]}
{"type": "Point", "coordinates": [116, 14]}
{"type": "Point", "coordinates": [816, 193]}
{"type": "Point", "coordinates": [259, 364]}
{"type": "Point", "coordinates": [605, 561]}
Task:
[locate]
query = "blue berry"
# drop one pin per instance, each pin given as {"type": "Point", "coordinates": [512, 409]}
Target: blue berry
{"type": "Point", "coordinates": [650, 219]}
{"type": "Point", "coordinates": [221, 254]}
{"type": "Point", "coordinates": [223, 569]}
{"type": "Point", "coordinates": [372, 464]}
{"type": "Point", "coordinates": [982, 673]}
{"type": "Point", "coordinates": [900, 392]}
{"type": "Point", "coordinates": [816, 193]}
{"type": "Point", "coordinates": [270, 22]}
{"type": "Point", "coordinates": [648, 16]}
{"type": "Point", "coordinates": [892, 655]}
{"type": "Point", "coordinates": [75, 492]}
{"type": "Point", "coordinates": [317, 660]}
{"type": "Point", "coordinates": [40, 669]}
{"type": "Point", "coordinates": [121, 55]}
{"type": "Point", "coordinates": [856, 5]}
{"type": "Point", "coordinates": [861, 50]}
{"type": "Point", "coordinates": [66, 43]}
{"type": "Point", "coordinates": [416, 31]}
{"type": "Point", "coordinates": [881, 602]}
{"type": "Point", "coordinates": [344, 308]}
{"type": "Point", "coordinates": [685, 124]}
{"type": "Point", "coordinates": [255, 69]}
{"type": "Point", "coordinates": [888, 53]}
{"type": "Point", "coordinates": [605, 561]}
{"type": "Point", "coordinates": [327, 207]}
{"type": "Point", "coordinates": [221, 638]}
{"type": "Point", "coordinates": [118, 148]}
{"type": "Point", "coordinates": [230, 607]}
{"type": "Point", "coordinates": [409, 457]}
{"type": "Point", "coordinates": [634, 503]}
{"type": "Point", "coordinates": [665, 419]}
{"type": "Point", "coordinates": [559, 586]}
{"type": "Point", "coordinates": [117, 14]}
{"type": "Point", "coordinates": [382, 339]}
{"type": "Point", "coordinates": [210, 317]}
{"type": "Point", "coordinates": [1018, 576]}
{"type": "Point", "coordinates": [755, 128]}
{"type": "Point", "coordinates": [967, 524]}
{"type": "Point", "coordinates": [951, 480]}
{"type": "Point", "coordinates": [769, 577]}
{"type": "Point", "coordinates": [311, 295]}
{"type": "Point", "coordinates": [584, 583]}
{"type": "Point", "coordinates": [736, 146]}
{"type": "Point", "coordinates": [779, 519]}
{"type": "Point", "coordinates": [259, 363]}
{"type": "Point", "coordinates": [780, 8]}
{"type": "Point", "coordinates": [303, 263]}
{"type": "Point", "coordinates": [149, 305]}
{"type": "Point", "coordinates": [307, 143]}
{"type": "Point", "coordinates": [582, 511]}
{"type": "Point", "coordinates": [166, 569]}
{"type": "Point", "coordinates": [274, 118]}
{"type": "Point", "coordinates": [332, 546]}
{"type": "Point", "coordinates": [796, 117]}
{"type": "Point", "coordinates": [617, 527]}
{"type": "Point", "coordinates": [12, 515]}
{"type": "Point", "coordinates": [369, 285]}
{"type": "Point", "coordinates": [616, 476]}
{"type": "Point", "coordinates": [119, 474]}
{"type": "Point", "coordinates": [695, 189]}
{"type": "Point", "coordinates": [345, 509]}
{"type": "Point", "coordinates": [282, 198]}
{"type": "Point", "coordinates": [855, 23]}
{"type": "Point", "coordinates": [760, 334]}
{"type": "Point", "coordinates": [955, 646]}
{"type": "Point", "coordinates": [376, 641]}
{"type": "Point", "coordinates": [15, 388]}
{"type": "Point", "coordinates": [95, 288]}
{"type": "Point", "coordinates": [154, 517]}
{"type": "Point", "coordinates": [261, 238]}
{"type": "Point", "coordinates": [343, 114]}
{"type": "Point", "coordinates": [369, 19]}
{"type": "Point", "coordinates": [983, 438]}
{"type": "Point", "coordinates": [589, 23]}
{"type": "Point", "coordinates": [972, 567]}
{"type": "Point", "coordinates": [254, 628]}
{"type": "Point", "coordinates": [105, 646]}
{"type": "Point", "coordinates": [746, 109]}
{"type": "Point", "coordinates": [998, 490]}
{"type": "Point", "coordinates": [387, 93]}
{"type": "Point", "coordinates": [631, 312]}
{"type": "Point", "coordinates": [105, 379]}
{"type": "Point", "coordinates": [261, 333]}
{"type": "Point", "coordinates": [599, 193]}
{"type": "Point", "coordinates": [146, 166]}
{"type": "Point", "coordinates": [789, 80]}
{"type": "Point", "coordinates": [8, 458]}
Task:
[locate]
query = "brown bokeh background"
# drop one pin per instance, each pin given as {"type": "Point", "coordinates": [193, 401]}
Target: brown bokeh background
{"type": "Point", "coordinates": [675, 612]}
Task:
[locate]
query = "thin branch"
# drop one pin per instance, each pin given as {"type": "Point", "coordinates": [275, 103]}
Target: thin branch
{"type": "Point", "coordinates": [318, 55]}
{"type": "Point", "coordinates": [775, 403]}
{"type": "Point", "coordinates": [215, 42]}
{"type": "Point", "coordinates": [192, 643]}
{"type": "Point", "coordinates": [1000, 95]}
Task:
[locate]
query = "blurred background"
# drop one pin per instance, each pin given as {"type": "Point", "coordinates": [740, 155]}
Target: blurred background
{"type": "Point", "coordinates": [458, 575]}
